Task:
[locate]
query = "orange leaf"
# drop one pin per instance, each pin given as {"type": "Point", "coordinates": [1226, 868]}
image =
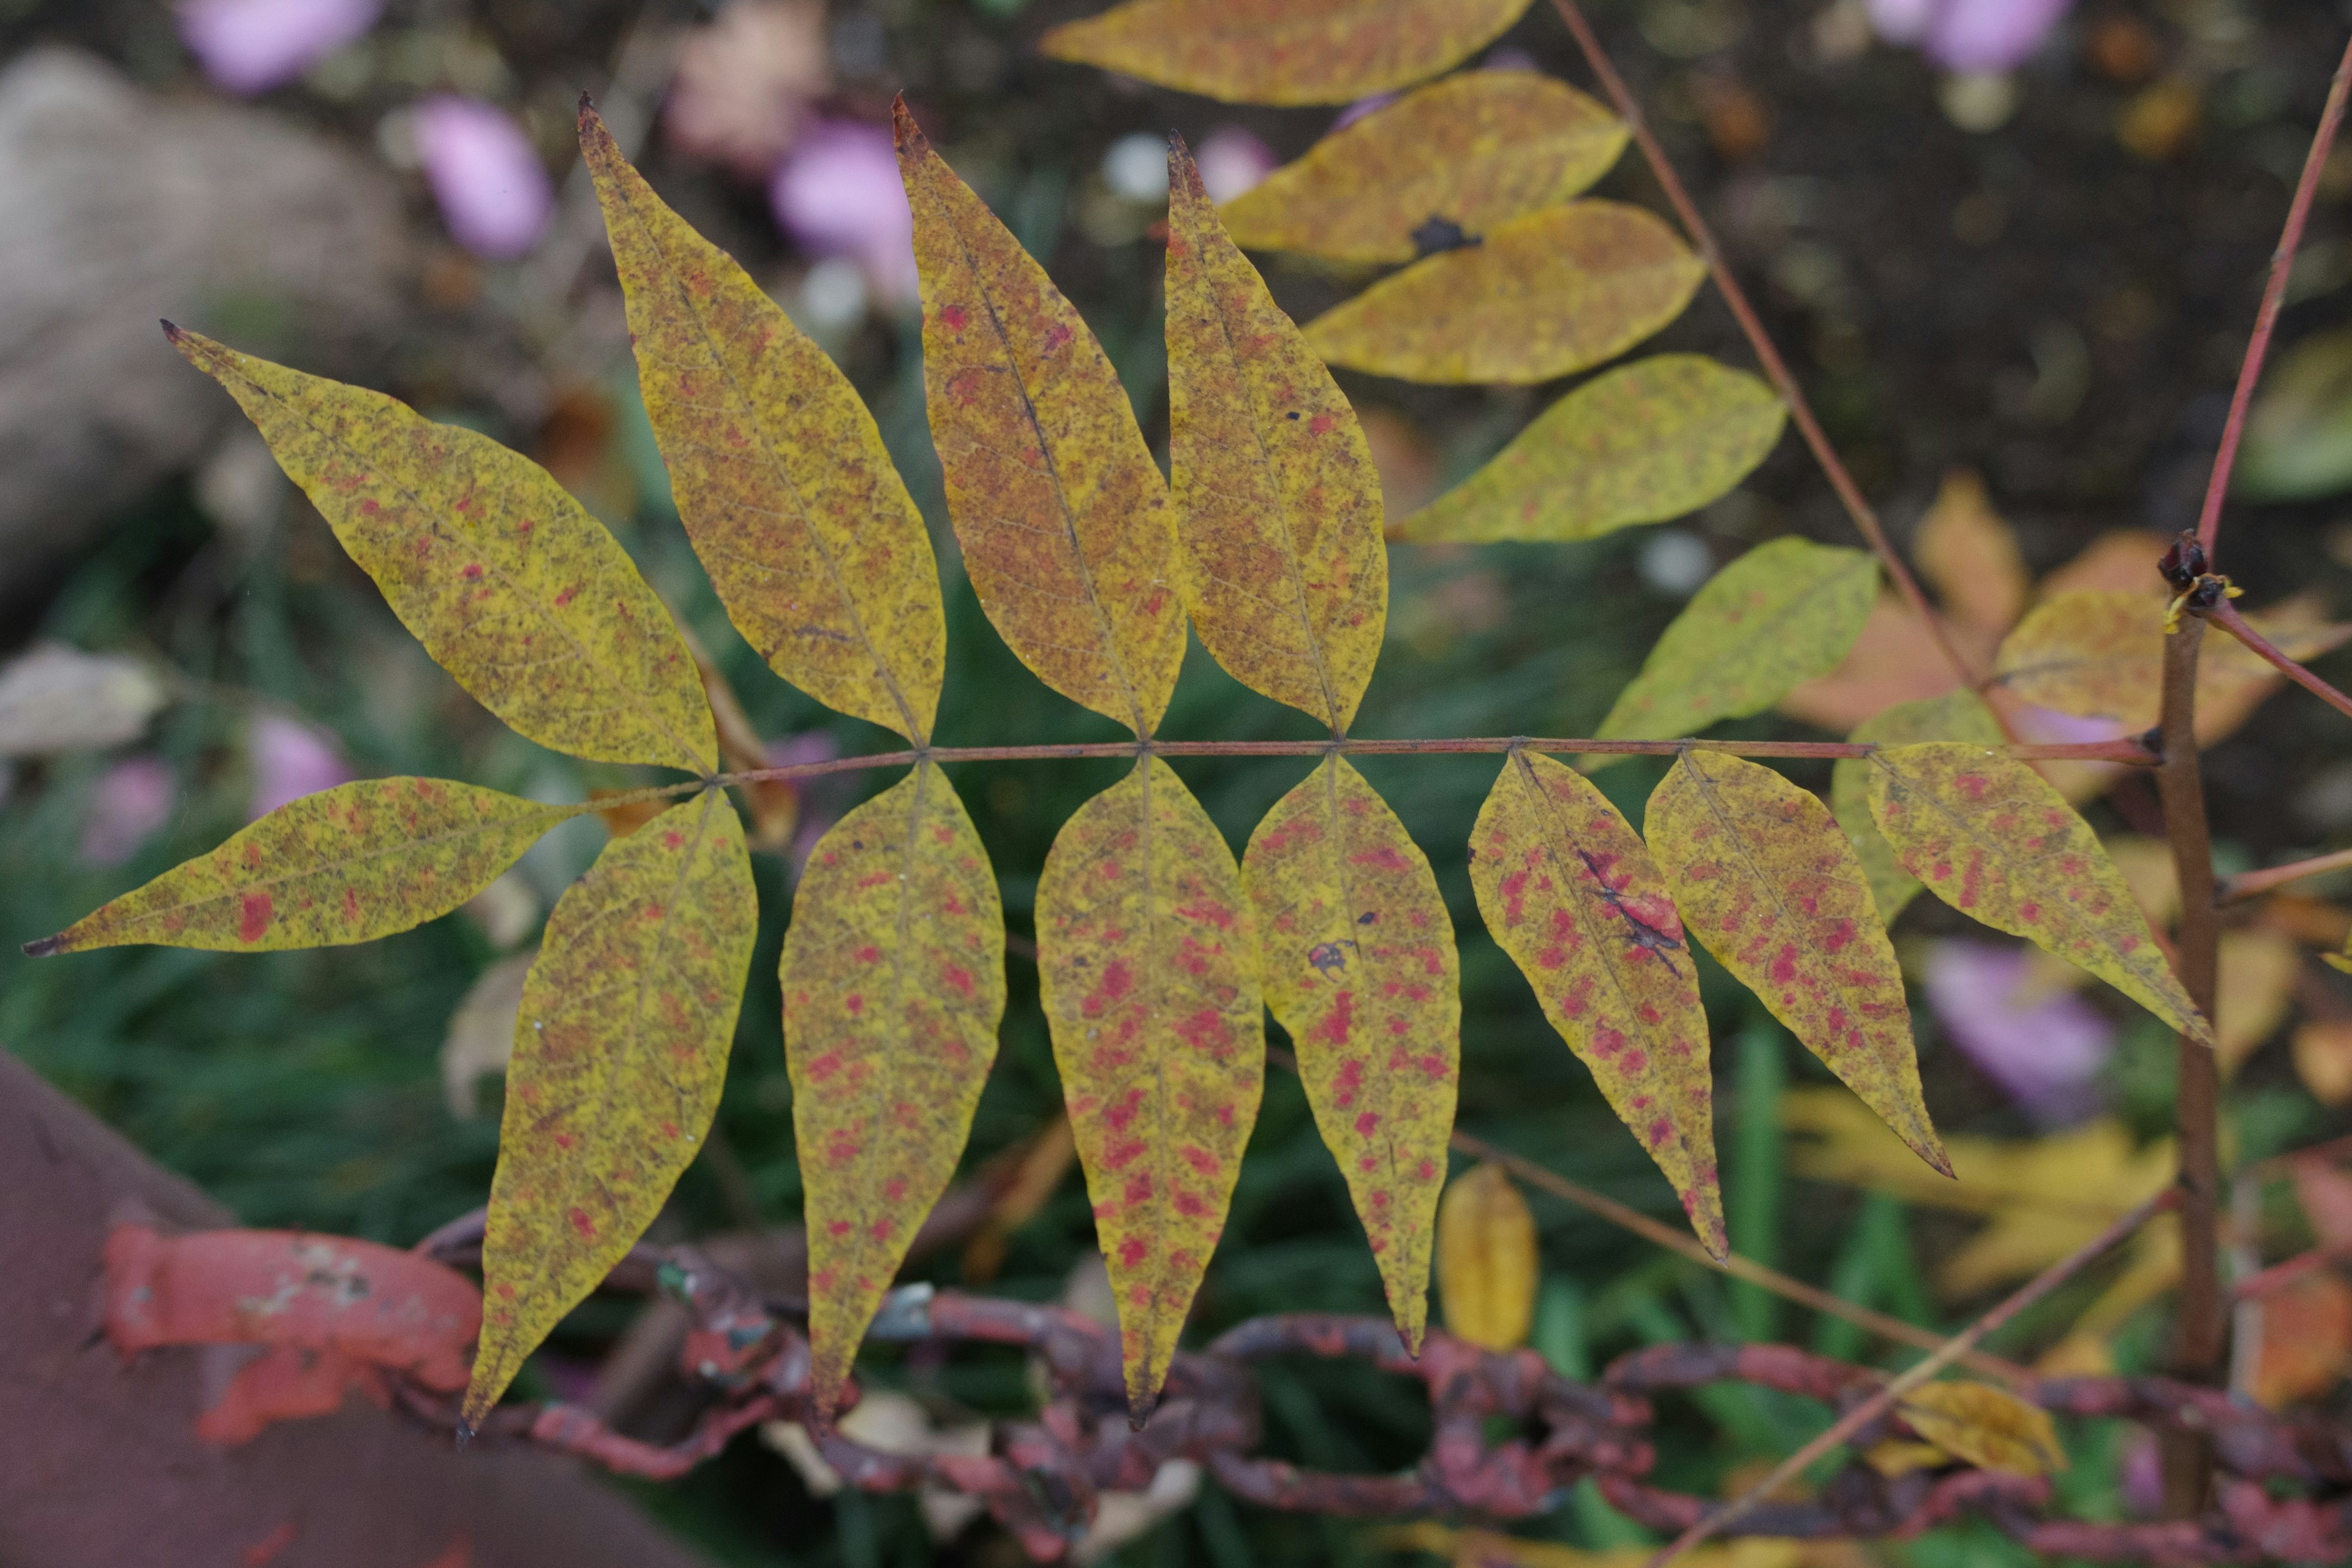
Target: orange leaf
{"type": "Point", "coordinates": [1360, 968]}
{"type": "Point", "coordinates": [2325, 1194]}
{"type": "Point", "coordinates": [1569, 891]}
{"type": "Point", "coordinates": [2323, 1059]}
{"type": "Point", "coordinates": [1064, 519]}
{"type": "Point", "coordinates": [894, 984]}
{"type": "Point", "coordinates": [1970, 555]}
{"type": "Point", "coordinates": [1486, 1259]}
{"type": "Point", "coordinates": [1768, 883]}
{"type": "Point", "coordinates": [1283, 51]}
{"type": "Point", "coordinates": [1147, 968]}
{"type": "Point", "coordinates": [2307, 1341]}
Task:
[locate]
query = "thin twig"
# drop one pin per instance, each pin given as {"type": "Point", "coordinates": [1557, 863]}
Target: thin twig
{"type": "Point", "coordinates": [2225, 615]}
{"type": "Point", "coordinates": [2279, 1276]}
{"type": "Point", "coordinates": [2249, 884]}
{"type": "Point", "coordinates": [2298, 212]}
{"type": "Point", "coordinates": [1880, 1403]}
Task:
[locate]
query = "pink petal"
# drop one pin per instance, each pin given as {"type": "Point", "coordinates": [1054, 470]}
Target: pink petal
{"type": "Point", "coordinates": [494, 193]}
{"type": "Point", "coordinates": [250, 45]}
{"type": "Point", "coordinates": [2048, 727]}
{"type": "Point", "coordinates": [133, 800]}
{"type": "Point", "coordinates": [1231, 160]}
{"type": "Point", "coordinates": [2045, 1057]}
{"type": "Point", "coordinates": [289, 760]}
{"type": "Point", "coordinates": [838, 194]}
{"type": "Point", "coordinates": [1360, 108]}
{"type": "Point", "coordinates": [1992, 35]}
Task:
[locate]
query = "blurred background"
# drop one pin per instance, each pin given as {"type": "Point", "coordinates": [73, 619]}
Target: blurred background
{"type": "Point", "coordinates": [2012, 246]}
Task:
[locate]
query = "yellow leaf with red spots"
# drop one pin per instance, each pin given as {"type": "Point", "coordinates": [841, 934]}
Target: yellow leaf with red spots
{"type": "Point", "coordinates": [1487, 1264]}
{"type": "Point", "coordinates": [894, 984]}
{"type": "Point", "coordinates": [1148, 967]}
{"type": "Point", "coordinates": [1067, 532]}
{"type": "Point", "coordinates": [509, 584]}
{"type": "Point", "coordinates": [780, 475]}
{"type": "Point", "coordinates": [1955, 716]}
{"type": "Point", "coordinates": [1360, 968]}
{"type": "Point", "coordinates": [620, 1048]}
{"type": "Point", "coordinates": [1569, 892]}
{"type": "Point", "coordinates": [348, 863]}
{"type": "Point", "coordinates": [1283, 51]}
{"type": "Point", "coordinates": [1767, 882]}
{"type": "Point", "coordinates": [1278, 503]}
{"type": "Point", "coordinates": [1991, 837]}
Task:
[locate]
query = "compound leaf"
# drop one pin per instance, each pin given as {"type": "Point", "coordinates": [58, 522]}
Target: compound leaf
{"type": "Point", "coordinates": [1283, 51]}
{"type": "Point", "coordinates": [1956, 715]}
{"type": "Point", "coordinates": [1147, 968]}
{"type": "Point", "coordinates": [1989, 836]}
{"type": "Point", "coordinates": [894, 984]}
{"type": "Point", "coordinates": [781, 477]}
{"type": "Point", "coordinates": [620, 1048]}
{"type": "Point", "coordinates": [1765, 879]}
{"type": "Point", "coordinates": [1780, 615]}
{"type": "Point", "coordinates": [1542, 296]}
{"type": "Point", "coordinates": [507, 581]}
{"type": "Point", "coordinates": [1064, 519]}
{"type": "Point", "coordinates": [1473, 151]}
{"type": "Point", "coordinates": [1569, 891]}
{"type": "Point", "coordinates": [1360, 968]}
{"type": "Point", "coordinates": [1642, 443]}
{"type": "Point", "coordinates": [347, 863]}
{"type": "Point", "coordinates": [1278, 503]}
{"type": "Point", "coordinates": [1487, 1262]}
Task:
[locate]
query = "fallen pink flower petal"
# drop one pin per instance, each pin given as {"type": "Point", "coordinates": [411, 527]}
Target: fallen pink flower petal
{"type": "Point", "coordinates": [1232, 160]}
{"type": "Point", "coordinates": [2046, 1055]}
{"type": "Point", "coordinates": [132, 801]}
{"type": "Point", "coordinates": [289, 760]}
{"type": "Point", "coordinates": [838, 193]}
{"type": "Point", "coordinates": [252, 46]}
{"type": "Point", "coordinates": [493, 191]}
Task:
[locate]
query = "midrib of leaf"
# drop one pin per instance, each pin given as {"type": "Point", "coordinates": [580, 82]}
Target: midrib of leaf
{"type": "Point", "coordinates": [1548, 808]}
{"type": "Point", "coordinates": [1334, 838]}
{"type": "Point", "coordinates": [1161, 1146]}
{"type": "Point", "coordinates": [887, 1078]}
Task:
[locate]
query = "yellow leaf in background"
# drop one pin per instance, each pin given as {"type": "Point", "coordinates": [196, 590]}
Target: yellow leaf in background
{"type": "Point", "coordinates": [1991, 837]}
{"type": "Point", "coordinates": [1569, 891]}
{"type": "Point", "coordinates": [1642, 443]}
{"type": "Point", "coordinates": [1542, 296]}
{"type": "Point", "coordinates": [2149, 871]}
{"type": "Point", "coordinates": [1782, 613]}
{"type": "Point", "coordinates": [1956, 715]}
{"type": "Point", "coordinates": [1970, 555]}
{"type": "Point", "coordinates": [509, 584]}
{"type": "Point", "coordinates": [2307, 1341]}
{"type": "Point", "coordinates": [1765, 879]}
{"type": "Point", "coordinates": [1360, 968]}
{"type": "Point", "coordinates": [1486, 1259]}
{"type": "Point", "coordinates": [1278, 505]}
{"type": "Point", "coordinates": [620, 1048]}
{"type": "Point", "coordinates": [780, 478]}
{"type": "Point", "coordinates": [2323, 1057]}
{"type": "Point", "coordinates": [1488, 1549]}
{"type": "Point", "coordinates": [2123, 561]}
{"type": "Point", "coordinates": [1893, 1458]}
{"type": "Point", "coordinates": [2101, 655]}
{"type": "Point", "coordinates": [2257, 975]}
{"type": "Point", "coordinates": [1148, 970]}
{"type": "Point", "coordinates": [1989, 1427]}
{"type": "Point", "coordinates": [348, 863]}
{"type": "Point", "coordinates": [893, 978]}
{"type": "Point", "coordinates": [1475, 151]}
{"type": "Point", "coordinates": [1067, 532]}
{"type": "Point", "coordinates": [1283, 51]}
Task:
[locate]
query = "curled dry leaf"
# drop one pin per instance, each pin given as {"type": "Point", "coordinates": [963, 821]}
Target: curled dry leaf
{"type": "Point", "coordinates": [349, 864]}
{"type": "Point", "coordinates": [1475, 151]}
{"type": "Point", "coordinates": [1066, 531]}
{"type": "Point", "coordinates": [2100, 654]}
{"type": "Point", "coordinates": [1765, 879]}
{"type": "Point", "coordinates": [1360, 968]}
{"type": "Point", "coordinates": [1283, 51]}
{"type": "Point", "coordinates": [894, 984]}
{"type": "Point", "coordinates": [1277, 503]}
{"type": "Point", "coordinates": [1782, 613]}
{"type": "Point", "coordinates": [1569, 892]}
{"type": "Point", "coordinates": [1641, 443]}
{"type": "Point", "coordinates": [58, 699]}
{"type": "Point", "coordinates": [507, 581]}
{"type": "Point", "coordinates": [1486, 1259]}
{"type": "Point", "coordinates": [1956, 715]}
{"type": "Point", "coordinates": [1147, 969]}
{"type": "Point", "coordinates": [780, 476]}
{"type": "Point", "coordinates": [1991, 837]}
{"type": "Point", "coordinates": [1989, 1427]}
{"type": "Point", "coordinates": [1542, 296]}
{"type": "Point", "coordinates": [619, 1050]}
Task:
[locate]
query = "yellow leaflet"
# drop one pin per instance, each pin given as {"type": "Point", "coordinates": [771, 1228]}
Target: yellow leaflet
{"type": "Point", "coordinates": [348, 863]}
{"type": "Point", "coordinates": [1555, 291]}
{"type": "Point", "coordinates": [508, 583]}
{"type": "Point", "coordinates": [1989, 1427]}
{"type": "Point", "coordinates": [1283, 51]}
{"type": "Point", "coordinates": [894, 984]}
{"type": "Point", "coordinates": [1957, 716]}
{"type": "Point", "coordinates": [1991, 838]}
{"type": "Point", "coordinates": [2100, 654]}
{"type": "Point", "coordinates": [1765, 879]}
{"type": "Point", "coordinates": [1473, 151]}
{"type": "Point", "coordinates": [1487, 1262]}
{"type": "Point", "coordinates": [620, 1048]}
{"type": "Point", "coordinates": [1645, 442]}
{"type": "Point", "coordinates": [1147, 968]}
{"type": "Point", "coordinates": [1568, 890]}
{"type": "Point", "coordinates": [1778, 616]}
{"type": "Point", "coordinates": [1360, 968]}
{"type": "Point", "coordinates": [1064, 519]}
{"type": "Point", "coordinates": [1279, 506]}
{"type": "Point", "coordinates": [1971, 556]}
{"type": "Point", "coordinates": [780, 478]}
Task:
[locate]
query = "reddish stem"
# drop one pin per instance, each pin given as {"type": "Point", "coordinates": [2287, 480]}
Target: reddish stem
{"type": "Point", "coordinates": [2248, 884]}
{"type": "Point", "coordinates": [2279, 1276]}
{"type": "Point", "coordinates": [2225, 615]}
